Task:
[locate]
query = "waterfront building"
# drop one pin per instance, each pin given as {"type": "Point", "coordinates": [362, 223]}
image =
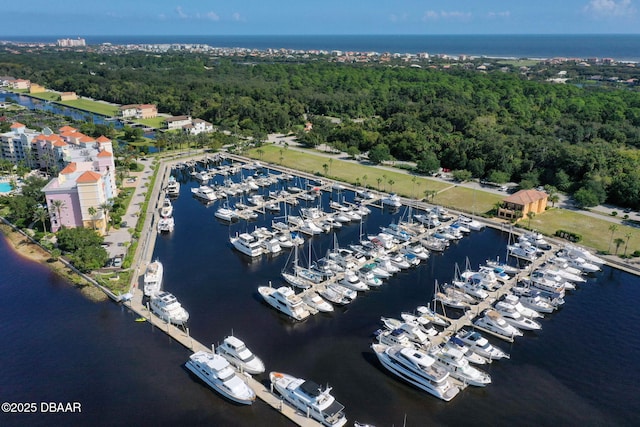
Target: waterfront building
{"type": "Point", "coordinates": [71, 42]}
{"type": "Point", "coordinates": [197, 126]}
{"type": "Point", "coordinates": [519, 204]}
{"type": "Point", "coordinates": [138, 111]}
{"type": "Point", "coordinates": [36, 88]}
{"type": "Point", "coordinates": [177, 122]}
{"type": "Point", "coordinates": [68, 96]}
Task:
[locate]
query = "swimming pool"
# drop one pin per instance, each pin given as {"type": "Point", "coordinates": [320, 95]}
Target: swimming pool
{"type": "Point", "coordinates": [5, 187]}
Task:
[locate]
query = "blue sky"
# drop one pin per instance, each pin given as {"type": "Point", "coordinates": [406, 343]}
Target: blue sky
{"type": "Point", "coordinates": [251, 17]}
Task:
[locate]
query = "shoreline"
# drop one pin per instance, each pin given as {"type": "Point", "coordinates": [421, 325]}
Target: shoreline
{"type": "Point", "coordinates": [26, 249]}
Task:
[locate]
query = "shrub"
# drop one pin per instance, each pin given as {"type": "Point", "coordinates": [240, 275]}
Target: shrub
{"type": "Point", "coordinates": [568, 235]}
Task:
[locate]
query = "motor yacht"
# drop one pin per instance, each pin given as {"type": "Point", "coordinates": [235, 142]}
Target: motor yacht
{"type": "Point", "coordinates": [426, 313]}
{"type": "Point", "coordinates": [285, 300]}
{"type": "Point", "coordinates": [173, 187]}
{"type": "Point", "coordinates": [392, 200]}
{"type": "Point", "coordinates": [535, 239]}
{"type": "Point", "coordinates": [424, 325]}
{"type": "Point", "coordinates": [309, 398]}
{"type": "Point", "coordinates": [453, 298]}
{"type": "Point", "coordinates": [202, 176]}
{"type": "Point", "coordinates": [237, 354]}
{"type": "Point", "coordinates": [513, 316]}
{"type": "Point", "coordinates": [525, 311]}
{"type": "Point", "coordinates": [573, 251]}
{"type": "Point", "coordinates": [418, 251]}
{"type": "Point", "coordinates": [522, 253]}
{"type": "Point", "coordinates": [166, 307]}
{"type": "Point", "coordinates": [204, 193]}
{"type": "Point", "coordinates": [393, 337]}
{"type": "Point", "coordinates": [352, 281]}
{"type": "Point", "coordinates": [333, 296]}
{"type": "Point", "coordinates": [413, 331]}
{"type": "Point", "coordinates": [458, 366]}
{"type": "Point", "coordinates": [314, 300]}
{"type": "Point", "coordinates": [166, 211]}
{"type": "Point", "coordinates": [481, 345]}
{"type": "Point", "coordinates": [217, 373]}
{"type": "Point", "coordinates": [226, 214]}
{"type": "Point", "coordinates": [471, 223]}
{"type": "Point", "coordinates": [247, 244]}
{"type": "Point", "coordinates": [152, 282]}
{"type": "Point", "coordinates": [344, 291]}
{"type": "Point", "coordinates": [506, 268]}
{"type": "Point", "coordinates": [537, 302]}
{"type": "Point", "coordinates": [166, 225]}
{"type": "Point", "coordinates": [366, 275]}
{"type": "Point", "coordinates": [457, 344]}
{"type": "Point", "coordinates": [417, 368]}
{"type": "Point", "coordinates": [494, 322]}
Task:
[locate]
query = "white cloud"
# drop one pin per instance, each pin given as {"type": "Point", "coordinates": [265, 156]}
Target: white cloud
{"type": "Point", "coordinates": [181, 13]}
{"type": "Point", "coordinates": [609, 8]}
{"type": "Point", "coordinates": [236, 17]}
{"type": "Point", "coordinates": [432, 15]}
{"type": "Point", "coordinates": [505, 14]}
{"type": "Point", "coordinates": [212, 16]}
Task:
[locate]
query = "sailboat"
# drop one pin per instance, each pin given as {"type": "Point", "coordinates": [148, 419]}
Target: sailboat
{"type": "Point", "coordinates": [298, 276]}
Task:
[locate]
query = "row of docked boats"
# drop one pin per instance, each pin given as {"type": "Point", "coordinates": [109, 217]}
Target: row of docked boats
{"type": "Point", "coordinates": [161, 303]}
{"type": "Point", "coordinates": [227, 368]}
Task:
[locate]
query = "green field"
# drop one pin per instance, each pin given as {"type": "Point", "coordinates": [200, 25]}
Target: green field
{"type": "Point", "coordinates": [47, 96]}
{"type": "Point", "coordinates": [93, 106]}
{"type": "Point", "coordinates": [595, 232]}
{"type": "Point", "coordinates": [156, 122]}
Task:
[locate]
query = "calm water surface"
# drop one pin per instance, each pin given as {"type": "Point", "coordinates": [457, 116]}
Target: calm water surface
{"type": "Point", "coordinates": [581, 369]}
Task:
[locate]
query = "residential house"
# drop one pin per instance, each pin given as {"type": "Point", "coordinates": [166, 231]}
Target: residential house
{"type": "Point", "coordinates": [20, 84]}
{"type": "Point", "coordinates": [68, 96]}
{"type": "Point", "coordinates": [36, 88]}
{"type": "Point", "coordinates": [520, 204]}
{"type": "Point", "coordinates": [177, 122]}
{"type": "Point", "coordinates": [146, 111]}
{"type": "Point", "coordinates": [198, 126]}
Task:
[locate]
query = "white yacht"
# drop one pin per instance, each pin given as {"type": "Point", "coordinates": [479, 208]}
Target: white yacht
{"type": "Point", "coordinates": [153, 278]}
{"type": "Point", "coordinates": [418, 369]}
{"type": "Point", "coordinates": [494, 322]}
{"type": "Point", "coordinates": [237, 354]}
{"type": "Point", "coordinates": [525, 311]}
{"type": "Point", "coordinates": [166, 211]}
{"type": "Point", "coordinates": [226, 214]}
{"type": "Point", "coordinates": [309, 398]}
{"type": "Point", "coordinates": [394, 337]}
{"type": "Point", "coordinates": [426, 313]}
{"type": "Point", "coordinates": [457, 344]}
{"type": "Point", "coordinates": [392, 200]}
{"type": "Point", "coordinates": [458, 366]}
{"type": "Point", "coordinates": [166, 225]}
{"type": "Point", "coordinates": [424, 325]}
{"type": "Point", "coordinates": [572, 251]}
{"type": "Point", "coordinates": [314, 300]}
{"type": "Point", "coordinates": [333, 296]}
{"type": "Point", "coordinates": [247, 244]}
{"type": "Point", "coordinates": [204, 193]}
{"type": "Point", "coordinates": [537, 302]}
{"type": "Point", "coordinates": [352, 281]}
{"type": "Point", "coordinates": [202, 176]}
{"type": "Point", "coordinates": [285, 300]}
{"type": "Point", "coordinates": [515, 318]}
{"type": "Point", "coordinates": [216, 372]}
{"type": "Point", "coordinates": [173, 187]}
{"type": "Point", "coordinates": [471, 223]}
{"type": "Point", "coordinates": [166, 307]}
{"type": "Point", "coordinates": [367, 275]}
{"type": "Point", "coordinates": [481, 345]}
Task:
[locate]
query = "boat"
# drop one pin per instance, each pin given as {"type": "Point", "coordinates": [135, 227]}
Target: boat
{"type": "Point", "coordinates": [417, 368]}
{"type": "Point", "coordinates": [173, 187]}
{"type": "Point", "coordinates": [141, 319]}
{"type": "Point", "coordinates": [226, 214]}
{"type": "Point", "coordinates": [166, 307]}
{"type": "Point", "coordinates": [202, 176]}
{"type": "Point", "coordinates": [457, 344]}
{"type": "Point", "coordinates": [506, 268]}
{"type": "Point", "coordinates": [166, 211]}
{"type": "Point", "coordinates": [535, 301]}
{"type": "Point", "coordinates": [573, 251]}
{"type": "Point", "coordinates": [345, 292]}
{"type": "Point", "coordinates": [314, 300]}
{"type": "Point", "coordinates": [152, 282]}
{"type": "Point", "coordinates": [471, 223]}
{"type": "Point", "coordinates": [525, 311]}
{"type": "Point", "coordinates": [515, 318]}
{"type": "Point", "coordinates": [423, 325]}
{"type": "Point", "coordinates": [166, 225]}
{"type": "Point", "coordinates": [393, 337]}
{"type": "Point", "coordinates": [392, 200]}
{"type": "Point", "coordinates": [217, 373]}
{"type": "Point", "coordinates": [299, 276]}
{"type": "Point", "coordinates": [426, 313]}
{"type": "Point", "coordinates": [413, 331]}
{"type": "Point", "coordinates": [479, 344]}
{"type": "Point", "coordinates": [237, 354]}
{"type": "Point", "coordinates": [352, 281]}
{"type": "Point", "coordinates": [459, 368]}
{"type": "Point", "coordinates": [369, 278]}
{"type": "Point", "coordinates": [285, 300]}
{"type": "Point", "coordinates": [494, 322]}
{"type": "Point", "coordinates": [309, 398]}
{"type": "Point", "coordinates": [204, 193]}
{"type": "Point", "coordinates": [333, 296]}
{"type": "Point", "coordinates": [536, 239]}
{"type": "Point", "coordinates": [247, 244]}
{"type": "Point", "coordinates": [522, 252]}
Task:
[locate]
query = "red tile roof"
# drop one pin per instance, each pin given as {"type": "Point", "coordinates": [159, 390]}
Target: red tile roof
{"type": "Point", "coordinates": [88, 176]}
{"type": "Point", "coordinates": [17, 125]}
{"type": "Point", "coordinates": [87, 139]}
{"type": "Point", "coordinates": [525, 197]}
{"type": "Point", "coordinates": [67, 128]}
{"type": "Point", "coordinates": [103, 138]}
{"type": "Point", "coordinates": [104, 153]}
{"type": "Point", "coordinates": [70, 168]}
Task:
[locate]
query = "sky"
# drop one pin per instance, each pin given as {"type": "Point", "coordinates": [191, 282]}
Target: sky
{"type": "Point", "coordinates": [318, 17]}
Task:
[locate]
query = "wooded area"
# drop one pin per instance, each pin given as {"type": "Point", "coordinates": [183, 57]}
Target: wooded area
{"type": "Point", "coordinates": [498, 126]}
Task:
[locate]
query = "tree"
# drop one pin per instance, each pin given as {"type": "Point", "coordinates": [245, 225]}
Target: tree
{"type": "Point", "coordinates": [428, 163]}
{"type": "Point", "coordinates": [379, 180]}
{"type": "Point", "coordinates": [612, 229]}
{"type": "Point", "coordinates": [106, 208]}
{"type": "Point", "coordinates": [41, 214]}
{"type": "Point", "coordinates": [618, 242]}
{"type": "Point", "coordinates": [57, 205]}
{"type": "Point", "coordinates": [260, 152]}
{"type": "Point", "coordinates": [585, 198]}
{"type": "Point", "coordinates": [461, 175]}
{"type": "Point", "coordinates": [626, 244]}
{"type": "Point", "coordinates": [530, 215]}
{"type": "Point", "coordinates": [89, 258]}
{"type": "Point", "coordinates": [70, 239]}
{"type": "Point", "coordinates": [326, 169]}
{"type": "Point", "coordinates": [391, 182]}
{"type": "Point", "coordinates": [353, 151]}
{"type": "Point", "coordinates": [93, 212]}
{"type": "Point", "coordinates": [379, 154]}
{"type": "Point", "coordinates": [330, 164]}
{"type": "Point", "coordinates": [364, 180]}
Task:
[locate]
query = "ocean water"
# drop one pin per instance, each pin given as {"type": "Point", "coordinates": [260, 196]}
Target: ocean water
{"type": "Point", "coordinates": [581, 369]}
{"type": "Point", "coordinates": [625, 47]}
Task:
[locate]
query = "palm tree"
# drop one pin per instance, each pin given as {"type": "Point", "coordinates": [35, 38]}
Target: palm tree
{"type": "Point", "coordinates": [106, 208]}
{"type": "Point", "coordinates": [93, 212]}
{"type": "Point", "coordinates": [58, 205]}
{"type": "Point", "coordinates": [260, 152]}
{"type": "Point", "coordinates": [326, 168]}
{"type": "Point", "coordinates": [618, 241]}
{"type": "Point", "coordinates": [391, 182]}
{"type": "Point", "coordinates": [41, 214]}
{"type": "Point", "coordinates": [379, 181]}
{"type": "Point", "coordinates": [627, 236]}
{"type": "Point", "coordinates": [364, 180]}
{"type": "Point", "coordinates": [330, 164]}
{"type": "Point", "coordinates": [530, 215]}
{"type": "Point", "coordinates": [553, 198]}
{"type": "Point", "coordinates": [612, 229]}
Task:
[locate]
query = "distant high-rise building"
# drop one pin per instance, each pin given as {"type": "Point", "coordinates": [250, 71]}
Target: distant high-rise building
{"type": "Point", "coordinates": [71, 42]}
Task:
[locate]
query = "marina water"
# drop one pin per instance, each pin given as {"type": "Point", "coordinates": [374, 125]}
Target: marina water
{"type": "Point", "coordinates": [581, 369]}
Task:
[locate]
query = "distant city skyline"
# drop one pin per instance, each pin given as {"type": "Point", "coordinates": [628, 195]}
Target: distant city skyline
{"type": "Point", "coordinates": [286, 17]}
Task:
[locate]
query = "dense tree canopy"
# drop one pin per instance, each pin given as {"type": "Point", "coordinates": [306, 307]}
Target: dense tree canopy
{"type": "Point", "coordinates": [498, 124]}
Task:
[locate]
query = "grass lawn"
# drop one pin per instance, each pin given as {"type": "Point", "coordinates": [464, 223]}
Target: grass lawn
{"type": "Point", "coordinates": [47, 96]}
{"type": "Point", "coordinates": [468, 200]}
{"type": "Point", "coordinates": [92, 106]}
{"type": "Point", "coordinates": [348, 171]}
{"type": "Point", "coordinates": [595, 232]}
{"type": "Point", "coordinates": [156, 122]}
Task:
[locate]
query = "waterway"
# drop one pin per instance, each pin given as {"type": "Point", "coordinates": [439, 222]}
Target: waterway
{"type": "Point", "coordinates": [581, 369]}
